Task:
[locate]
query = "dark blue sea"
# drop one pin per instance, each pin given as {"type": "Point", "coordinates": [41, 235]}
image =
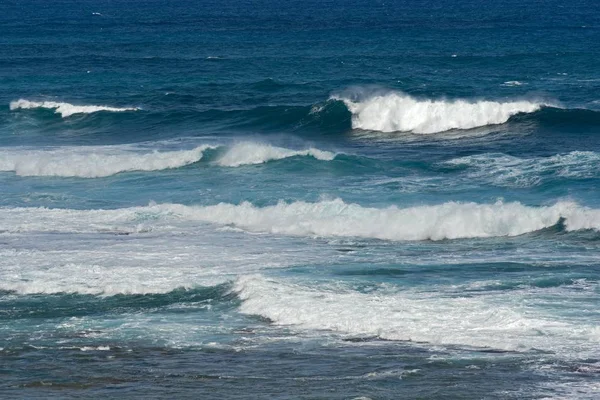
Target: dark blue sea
{"type": "Point", "coordinates": [300, 199]}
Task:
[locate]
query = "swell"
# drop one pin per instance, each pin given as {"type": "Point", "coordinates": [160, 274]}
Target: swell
{"type": "Point", "coordinates": [329, 117]}
{"type": "Point", "coordinates": [331, 218]}
{"type": "Point", "coordinates": [388, 112]}
{"type": "Point", "coordinates": [495, 169]}
{"type": "Point", "coordinates": [58, 305]}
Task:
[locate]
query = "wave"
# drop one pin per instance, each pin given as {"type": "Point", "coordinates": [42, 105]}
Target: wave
{"type": "Point", "coordinates": [79, 301]}
{"type": "Point", "coordinates": [497, 320]}
{"type": "Point", "coordinates": [358, 109]}
{"type": "Point", "coordinates": [93, 162]}
{"type": "Point", "coordinates": [506, 170]}
{"type": "Point", "coordinates": [248, 153]}
{"type": "Point", "coordinates": [553, 118]}
{"type": "Point", "coordinates": [64, 109]}
{"type": "Point", "coordinates": [399, 112]}
{"type": "Point", "coordinates": [102, 161]}
{"type": "Point", "coordinates": [331, 218]}
{"type": "Point", "coordinates": [446, 221]}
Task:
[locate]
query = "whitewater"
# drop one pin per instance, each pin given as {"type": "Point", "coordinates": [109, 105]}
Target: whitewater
{"type": "Point", "coordinates": [333, 218]}
{"type": "Point", "coordinates": [399, 112]}
{"type": "Point", "coordinates": [98, 162]}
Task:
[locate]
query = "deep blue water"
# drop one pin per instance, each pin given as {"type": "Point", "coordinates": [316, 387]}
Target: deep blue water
{"type": "Point", "coordinates": [300, 199]}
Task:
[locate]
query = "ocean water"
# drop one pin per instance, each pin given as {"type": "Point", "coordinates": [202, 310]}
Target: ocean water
{"type": "Point", "coordinates": [300, 199]}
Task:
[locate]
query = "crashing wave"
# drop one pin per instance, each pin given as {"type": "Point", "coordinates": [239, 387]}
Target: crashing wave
{"type": "Point", "coordinates": [399, 112]}
{"type": "Point", "coordinates": [330, 218]}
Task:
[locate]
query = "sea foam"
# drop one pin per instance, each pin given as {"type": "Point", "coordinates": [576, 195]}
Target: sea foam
{"type": "Point", "coordinates": [506, 170]}
{"type": "Point", "coordinates": [65, 109]}
{"type": "Point", "coordinates": [399, 112]}
{"type": "Point", "coordinates": [496, 320]}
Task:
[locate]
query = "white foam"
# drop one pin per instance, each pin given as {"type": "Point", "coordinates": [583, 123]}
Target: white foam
{"type": "Point", "coordinates": [507, 170]}
{"type": "Point", "coordinates": [446, 221]}
{"type": "Point", "coordinates": [91, 348]}
{"type": "Point", "coordinates": [159, 248]}
{"type": "Point", "coordinates": [93, 162]}
{"type": "Point", "coordinates": [559, 388]}
{"type": "Point", "coordinates": [399, 112]}
{"type": "Point", "coordinates": [101, 161]}
{"type": "Point", "coordinates": [158, 262]}
{"type": "Point", "coordinates": [256, 153]}
{"type": "Point", "coordinates": [65, 109]}
{"type": "Point", "coordinates": [502, 321]}
{"type": "Point", "coordinates": [513, 83]}
{"type": "Point", "coordinates": [330, 218]}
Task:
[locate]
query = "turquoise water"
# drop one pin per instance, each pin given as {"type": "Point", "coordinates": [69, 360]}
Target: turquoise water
{"type": "Point", "coordinates": [299, 199]}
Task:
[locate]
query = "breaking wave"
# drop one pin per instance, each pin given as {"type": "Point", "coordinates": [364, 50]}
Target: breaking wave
{"type": "Point", "coordinates": [93, 162]}
{"type": "Point", "coordinates": [331, 218]}
{"type": "Point", "coordinates": [102, 161]}
{"type": "Point", "coordinates": [257, 153]}
{"type": "Point", "coordinates": [399, 112]}
{"type": "Point", "coordinates": [65, 109]}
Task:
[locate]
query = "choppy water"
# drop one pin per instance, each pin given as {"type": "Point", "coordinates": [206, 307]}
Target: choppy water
{"type": "Point", "coordinates": [300, 199]}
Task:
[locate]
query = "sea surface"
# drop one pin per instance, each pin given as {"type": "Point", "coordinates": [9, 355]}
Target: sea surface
{"type": "Point", "coordinates": [300, 199]}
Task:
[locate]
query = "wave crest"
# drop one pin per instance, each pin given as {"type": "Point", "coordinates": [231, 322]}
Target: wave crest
{"type": "Point", "coordinates": [255, 153]}
{"type": "Point", "coordinates": [94, 162]}
{"type": "Point", "coordinates": [102, 161]}
{"type": "Point", "coordinates": [65, 109]}
{"type": "Point", "coordinates": [450, 220]}
{"type": "Point", "coordinates": [399, 112]}
{"type": "Point", "coordinates": [332, 218]}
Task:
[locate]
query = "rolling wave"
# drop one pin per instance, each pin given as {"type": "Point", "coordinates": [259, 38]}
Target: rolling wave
{"type": "Point", "coordinates": [103, 161]}
{"type": "Point", "coordinates": [64, 109]}
{"type": "Point", "coordinates": [399, 112]}
{"type": "Point", "coordinates": [256, 153]}
{"type": "Point", "coordinates": [380, 112]}
{"type": "Point", "coordinates": [332, 218]}
{"type": "Point", "coordinates": [93, 162]}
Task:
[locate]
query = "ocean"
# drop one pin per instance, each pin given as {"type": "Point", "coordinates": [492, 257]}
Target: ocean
{"type": "Point", "coordinates": [300, 199]}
